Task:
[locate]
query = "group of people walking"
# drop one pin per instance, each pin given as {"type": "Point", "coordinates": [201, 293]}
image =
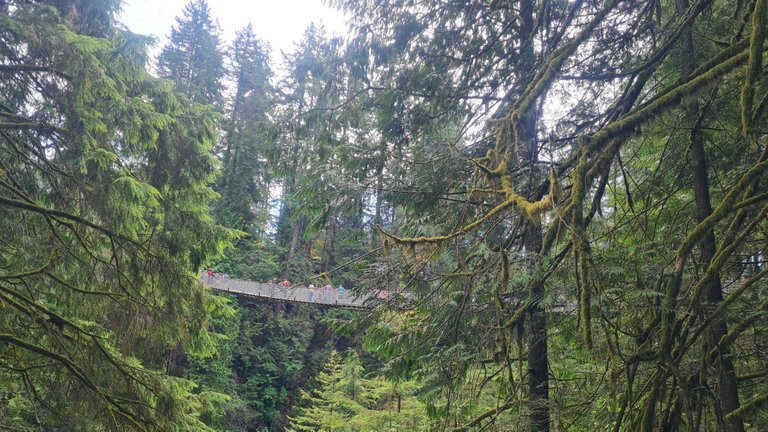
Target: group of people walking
{"type": "Point", "coordinates": [325, 294]}
{"type": "Point", "coordinates": [284, 289]}
{"type": "Point", "coordinates": [283, 286]}
{"type": "Point", "coordinates": [316, 294]}
{"type": "Point", "coordinates": [208, 277]}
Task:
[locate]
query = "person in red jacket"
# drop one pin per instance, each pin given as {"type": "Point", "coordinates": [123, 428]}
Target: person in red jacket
{"type": "Point", "coordinates": [285, 285]}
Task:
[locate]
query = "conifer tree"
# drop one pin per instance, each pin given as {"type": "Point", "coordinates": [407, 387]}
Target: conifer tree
{"type": "Point", "coordinates": [520, 213]}
{"type": "Point", "coordinates": [248, 131]}
{"type": "Point", "coordinates": [192, 58]}
{"type": "Point", "coordinates": [303, 156]}
{"type": "Point", "coordinates": [105, 184]}
{"type": "Point", "coordinates": [347, 400]}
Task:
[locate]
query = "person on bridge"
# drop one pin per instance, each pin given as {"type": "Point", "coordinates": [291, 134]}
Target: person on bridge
{"type": "Point", "coordinates": [328, 289]}
{"type": "Point", "coordinates": [341, 292]}
{"type": "Point", "coordinates": [311, 293]}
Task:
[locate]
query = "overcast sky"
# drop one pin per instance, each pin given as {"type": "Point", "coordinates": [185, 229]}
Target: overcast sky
{"type": "Point", "coordinates": [279, 22]}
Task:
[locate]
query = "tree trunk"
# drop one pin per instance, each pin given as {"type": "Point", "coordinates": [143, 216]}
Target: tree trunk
{"type": "Point", "coordinates": [232, 123]}
{"type": "Point", "coordinates": [538, 358]}
{"type": "Point", "coordinates": [298, 227]}
{"type": "Point", "coordinates": [727, 388]}
{"type": "Point", "coordinates": [328, 247]}
{"type": "Point", "coordinates": [379, 185]}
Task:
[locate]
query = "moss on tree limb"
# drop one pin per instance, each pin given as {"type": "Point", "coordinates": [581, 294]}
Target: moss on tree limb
{"type": "Point", "coordinates": [755, 65]}
{"type": "Point", "coordinates": [529, 209]}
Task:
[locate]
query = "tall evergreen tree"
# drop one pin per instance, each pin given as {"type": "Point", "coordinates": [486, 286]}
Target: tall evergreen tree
{"type": "Point", "coordinates": [248, 131]}
{"type": "Point", "coordinates": [105, 183]}
{"type": "Point", "coordinates": [192, 58]}
{"type": "Point", "coordinates": [303, 155]}
{"type": "Point", "coordinates": [244, 183]}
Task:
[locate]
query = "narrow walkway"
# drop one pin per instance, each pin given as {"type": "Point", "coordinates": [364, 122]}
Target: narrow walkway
{"type": "Point", "coordinates": [293, 294]}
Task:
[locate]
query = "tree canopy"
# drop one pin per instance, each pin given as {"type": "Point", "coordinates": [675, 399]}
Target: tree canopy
{"type": "Point", "coordinates": [560, 207]}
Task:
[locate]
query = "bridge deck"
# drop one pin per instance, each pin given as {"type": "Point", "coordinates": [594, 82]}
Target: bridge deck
{"type": "Point", "coordinates": [293, 294]}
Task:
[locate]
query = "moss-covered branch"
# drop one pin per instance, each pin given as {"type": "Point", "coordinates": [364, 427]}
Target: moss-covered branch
{"type": "Point", "coordinates": [529, 209]}
{"type": "Point", "coordinates": [755, 65]}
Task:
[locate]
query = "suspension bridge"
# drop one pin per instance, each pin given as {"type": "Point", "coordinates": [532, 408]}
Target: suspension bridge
{"type": "Point", "coordinates": [291, 294]}
{"type": "Point", "coordinates": [323, 297]}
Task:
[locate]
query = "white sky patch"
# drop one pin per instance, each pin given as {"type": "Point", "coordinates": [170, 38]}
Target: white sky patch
{"type": "Point", "coordinates": [281, 23]}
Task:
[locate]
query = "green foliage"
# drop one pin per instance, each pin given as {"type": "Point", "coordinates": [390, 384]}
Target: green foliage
{"type": "Point", "coordinates": [250, 260]}
{"type": "Point", "coordinates": [346, 400]}
{"type": "Point", "coordinates": [243, 184]}
{"type": "Point", "coordinates": [266, 355]}
{"type": "Point", "coordinates": [192, 59]}
{"type": "Point", "coordinates": [106, 179]}
{"type": "Point", "coordinates": [558, 200]}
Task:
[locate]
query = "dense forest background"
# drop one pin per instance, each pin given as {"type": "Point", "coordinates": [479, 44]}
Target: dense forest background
{"type": "Point", "coordinates": [564, 199]}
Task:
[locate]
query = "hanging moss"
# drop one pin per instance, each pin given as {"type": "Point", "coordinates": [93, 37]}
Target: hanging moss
{"type": "Point", "coordinates": [755, 64]}
{"type": "Point", "coordinates": [553, 234]}
{"type": "Point", "coordinates": [575, 212]}
{"type": "Point", "coordinates": [531, 210]}
{"type": "Point", "coordinates": [491, 158]}
{"type": "Point", "coordinates": [504, 264]}
{"type": "Point", "coordinates": [326, 278]}
{"type": "Point", "coordinates": [502, 336]}
{"type": "Point", "coordinates": [585, 298]}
